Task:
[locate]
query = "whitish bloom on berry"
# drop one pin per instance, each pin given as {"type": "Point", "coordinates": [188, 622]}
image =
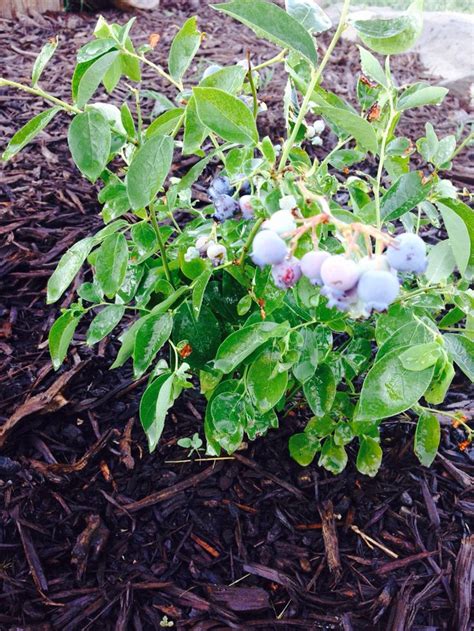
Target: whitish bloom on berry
{"type": "Point", "coordinates": [191, 253]}
{"type": "Point", "coordinates": [281, 222]}
{"type": "Point", "coordinates": [339, 273]}
{"type": "Point", "coordinates": [373, 263]}
{"type": "Point", "coordinates": [341, 300]}
{"type": "Point", "coordinates": [217, 253]}
{"type": "Point", "coordinates": [408, 253]}
{"type": "Point", "coordinates": [226, 207]}
{"type": "Point", "coordinates": [203, 243]}
{"type": "Point", "coordinates": [311, 265]}
{"type": "Point", "coordinates": [245, 203]}
{"type": "Point", "coordinates": [319, 126]}
{"type": "Point", "coordinates": [288, 202]}
{"type": "Point", "coordinates": [287, 273]}
{"type": "Point", "coordinates": [377, 289]}
{"type": "Point", "coordinates": [268, 248]}
{"type": "Point", "coordinates": [317, 141]}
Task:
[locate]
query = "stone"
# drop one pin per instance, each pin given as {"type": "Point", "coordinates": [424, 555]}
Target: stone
{"type": "Point", "coordinates": [128, 5]}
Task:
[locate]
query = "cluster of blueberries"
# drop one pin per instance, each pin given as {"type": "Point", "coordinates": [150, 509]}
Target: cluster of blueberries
{"type": "Point", "coordinates": [220, 193]}
{"type": "Point", "coordinates": [358, 287]}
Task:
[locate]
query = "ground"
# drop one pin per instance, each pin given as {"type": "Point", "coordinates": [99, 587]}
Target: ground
{"type": "Point", "coordinates": [96, 533]}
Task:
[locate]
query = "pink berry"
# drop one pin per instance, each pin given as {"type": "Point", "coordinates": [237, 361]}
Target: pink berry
{"type": "Point", "coordinates": [245, 203]}
{"type": "Point", "coordinates": [286, 274]}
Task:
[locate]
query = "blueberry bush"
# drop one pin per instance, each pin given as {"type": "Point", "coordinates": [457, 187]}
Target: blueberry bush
{"type": "Point", "coordinates": [272, 294]}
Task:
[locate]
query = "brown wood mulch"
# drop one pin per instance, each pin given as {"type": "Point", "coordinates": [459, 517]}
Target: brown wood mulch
{"type": "Point", "coordinates": [96, 533]}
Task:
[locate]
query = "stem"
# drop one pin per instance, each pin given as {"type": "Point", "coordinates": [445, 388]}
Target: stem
{"type": "Point", "coordinates": [252, 87]}
{"type": "Point", "coordinates": [316, 76]}
{"type": "Point", "coordinates": [41, 93]}
{"type": "Point", "coordinates": [139, 116]}
{"type": "Point", "coordinates": [250, 239]}
{"type": "Point", "coordinates": [383, 147]}
{"type": "Point", "coordinates": [273, 60]}
{"type": "Point", "coordinates": [164, 258]}
{"type": "Point", "coordinates": [156, 68]}
{"type": "Point", "coordinates": [465, 142]}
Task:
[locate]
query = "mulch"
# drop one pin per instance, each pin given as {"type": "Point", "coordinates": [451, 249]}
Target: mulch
{"type": "Point", "coordinates": [96, 533]}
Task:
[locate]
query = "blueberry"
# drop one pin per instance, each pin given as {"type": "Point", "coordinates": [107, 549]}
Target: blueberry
{"type": "Point", "coordinates": [287, 202]}
{"type": "Point", "coordinates": [281, 222]}
{"type": "Point", "coordinates": [377, 289]}
{"type": "Point", "coordinates": [371, 263]}
{"type": "Point", "coordinates": [311, 265]}
{"type": "Point", "coordinates": [203, 243]}
{"type": "Point", "coordinates": [245, 188]}
{"type": "Point", "coordinates": [268, 248]}
{"type": "Point", "coordinates": [287, 273]}
{"type": "Point", "coordinates": [226, 207]}
{"type": "Point", "coordinates": [341, 300]}
{"type": "Point", "coordinates": [408, 253]}
{"type": "Point", "coordinates": [220, 185]}
{"type": "Point", "coordinates": [245, 203]}
{"type": "Point", "coordinates": [216, 253]}
{"type": "Point", "coordinates": [339, 273]}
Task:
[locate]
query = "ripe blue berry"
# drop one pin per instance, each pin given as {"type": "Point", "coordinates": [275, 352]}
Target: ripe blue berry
{"type": "Point", "coordinates": [408, 253]}
{"type": "Point", "coordinates": [268, 248]}
{"type": "Point", "coordinates": [311, 265]}
{"type": "Point", "coordinates": [226, 207]}
{"type": "Point", "coordinates": [220, 185]}
{"type": "Point", "coordinates": [339, 273]}
{"type": "Point", "coordinates": [377, 289]}
{"type": "Point", "coordinates": [287, 273]}
{"type": "Point", "coordinates": [245, 188]}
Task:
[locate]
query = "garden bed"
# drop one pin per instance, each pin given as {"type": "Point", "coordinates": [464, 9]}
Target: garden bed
{"type": "Point", "coordinates": [97, 533]}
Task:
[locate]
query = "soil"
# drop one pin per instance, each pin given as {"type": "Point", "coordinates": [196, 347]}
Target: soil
{"type": "Point", "coordinates": [96, 533]}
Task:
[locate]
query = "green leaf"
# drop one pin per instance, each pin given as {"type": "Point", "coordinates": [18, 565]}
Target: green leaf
{"type": "Point", "coordinates": [458, 234]}
{"type": "Point", "coordinates": [421, 356]}
{"type": "Point", "coordinates": [427, 438]}
{"type": "Point", "coordinates": [333, 457]}
{"type": "Point", "coordinates": [89, 141]}
{"type": "Point", "coordinates": [389, 388]}
{"type": "Point", "coordinates": [147, 171]}
{"type": "Point", "coordinates": [90, 80]}
{"type": "Point", "coordinates": [265, 384]}
{"type": "Point", "coordinates": [203, 334]}
{"type": "Point", "coordinates": [42, 60]}
{"type": "Point", "coordinates": [303, 449]}
{"type": "Point", "coordinates": [200, 285]}
{"type": "Point", "coordinates": [393, 35]}
{"type": "Point", "coordinates": [111, 264]}
{"type": "Point", "coordinates": [442, 379]}
{"type": "Point", "coordinates": [371, 67]}
{"type": "Point", "coordinates": [225, 115]}
{"type": "Point", "coordinates": [68, 266]}
{"type": "Point", "coordinates": [369, 456]}
{"type": "Point", "coordinates": [145, 240]}
{"type": "Point", "coordinates": [183, 48]}
{"type": "Point", "coordinates": [353, 125]}
{"type": "Point", "coordinates": [103, 323]}
{"type": "Point", "coordinates": [441, 262]}
{"type": "Point", "coordinates": [150, 337]}
{"type": "Point", "coordinates": [165, 123]}
{"type": "Point", "coordinates": [228, 414]}
{"type": "Point", "coordinates": [461, 349]}
{"type": "Point", "coordinates": [29, 131]}
{"type": "Point", "coordinates": [154, 405]}
{"type": "Point", "coordinates": [194, 132]}
{"type": "Point", "coordinates": [320, 390]}
{"type": "Point", "coordinates": [308, 14]}
{"type": "Point", "coordinates": [421, 95]}
{"type": "Point", "coordinates": [240, 344]}
{"type": "Point", "coordinates": [60, 336]}
{"type": "Point", "coordinates": [95, 48]}
{"type": "Point", "coordinates": [229, 79]}
{"type": "Point", "coordinates": [405, 194]}
{"type": "Point", "coordinates": [267, 20]}
{"type": "Point", "coordinates": [466, 214]}
{"type": "Point", "coordinates": [127, 120]}
{"type": "Point", "coordinates": [412, 333]}
{"type": "Point", "coordinates": [344, 158]}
